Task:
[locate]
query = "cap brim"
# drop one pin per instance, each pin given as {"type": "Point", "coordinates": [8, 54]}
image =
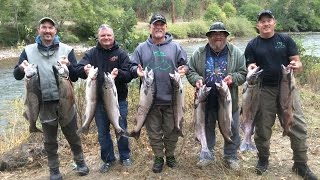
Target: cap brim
{"type": "Point", "coordinates": [265, 14]}
{"type": "Point", "coordinates": [158, 20]}
{"type": "Point", "coordinates": [48, 20]}
{"type": "Point", "coordinates": [226, 32]}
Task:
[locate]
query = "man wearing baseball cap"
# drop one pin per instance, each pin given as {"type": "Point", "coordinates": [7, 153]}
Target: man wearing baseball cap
{"type": "Point", "coordinates": [218, 61]}
{"type": "Point", "coordinates": [161, 54]}
{"type": "Point", "coordinates": [45, 53]}
{"type": "Point", "coordinates": [269, 50]}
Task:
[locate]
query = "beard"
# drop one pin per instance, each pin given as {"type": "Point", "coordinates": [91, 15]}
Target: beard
{"type": "Point", "coordinates": [218, 45]}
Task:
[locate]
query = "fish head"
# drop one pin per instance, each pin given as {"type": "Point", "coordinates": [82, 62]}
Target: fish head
{"type": "Point", "coordinates": [61, 70]}
{"type": "Point", "coordinates": [286, 72]}
{"type": "Point", "coordinates": [253, 75]}
{"type": "Point", "coordinates": [93, 73]}
{"type": "Point", "coordinates": [175, 78]}
{"type": "Point", "coordinates": [202, 93]}
{"type": "Point", "coordinates": [30, 71]}
{"type": "Point", "coordinates": [222, 88]}
{"type": "Point", "coordinates": [108, 80]}
{"type": "Point", "coordinates": [148, 77]}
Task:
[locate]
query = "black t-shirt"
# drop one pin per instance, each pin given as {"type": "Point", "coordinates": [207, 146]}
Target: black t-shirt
{"type": "Point", "coordinates": [269, 54]}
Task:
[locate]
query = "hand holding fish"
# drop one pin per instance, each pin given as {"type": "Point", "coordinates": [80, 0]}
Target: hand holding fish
{"type": "Point", "coordinates": [295, 65]}
{"type": "Point", "coordinates": [87, 68]}
{"type": "Point", "coordinates": [24, 64]}
{"type": "Point", "coordinates": [114, 73]}
{"type": "Point", "coordinates": [199, 84]}
{"type": "Point", "coordinates": [252, 66]}
{"type": "Point", "coordinates": [228, 80]}
{"type": "Point", "coordinates": [182, 70]}
{"type": "Point", "coordinates": [64, 60]}
{"type": "Point", "coordinates": [140, 71]}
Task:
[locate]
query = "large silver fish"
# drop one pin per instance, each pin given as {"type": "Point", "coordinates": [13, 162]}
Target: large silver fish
{"type": "Point", "coordinates": [287, 88]}
{"type": "Point", "coordinates": [178, 101]}
{"type": "Point", "coordinates": [199, 120]}
{"type": "Point", "coordinates": [250, 102]}
{"type": "Point", "coordinates": [33, 96]}
{"type": "Point", "coordinates": [225, 110]}
{"type": "Point", "coordinates": [67, 108]}
{"type": "Point", "coordinates": [111, 104]}
{"type": "Point", "coordinates": [91, 99]}
{"type": "Point", "coordinates": [147, 91]}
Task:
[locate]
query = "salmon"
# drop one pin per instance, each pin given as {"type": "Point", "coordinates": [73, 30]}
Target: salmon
{"type": "Point", "coordinates": [225, 110]}
{"type": "Point", "coordinates": [250, 102]}
{"type": "Point", "coordinates": [287, 88]}
{"type": "Point", "coordinates": [33, 96]}
{"type": "Point", "coordinates": [111, 104]}
{"type": "Point", "coordinates": [91, 100]}
{"type": "Point", "coordinates": [178, 102]}
{"type": "Point", "coordinates": [146, 98]}
{"type": "Point", "coordinates": [199, 116]}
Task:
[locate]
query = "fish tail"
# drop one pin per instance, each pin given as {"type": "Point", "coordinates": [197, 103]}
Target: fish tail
{"type": "Point", "coordinates": [206, 155]}
{"type": "Point", "coordinates": [247, 146]}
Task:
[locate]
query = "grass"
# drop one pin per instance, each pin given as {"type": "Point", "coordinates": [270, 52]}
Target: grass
{"type": "Point", "coordinates": [186, 152]}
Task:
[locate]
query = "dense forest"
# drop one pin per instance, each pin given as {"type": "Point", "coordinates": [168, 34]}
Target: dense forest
{"type": "Point", "coordinates": [78, 19]}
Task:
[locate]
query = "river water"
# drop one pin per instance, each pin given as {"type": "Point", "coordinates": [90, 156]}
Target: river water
{"type": "Point", "coordinates": [11, 89]}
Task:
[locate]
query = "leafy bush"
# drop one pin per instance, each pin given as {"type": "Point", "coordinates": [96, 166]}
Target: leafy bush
{"type": "Point", "coordinates": [197, 29]}
{"type": "Point", "coordinates": [69, 37]}
{"type": "Point", "coordinates": [240, 27]}
{"type": "Point", "coordinates": [178, 30]}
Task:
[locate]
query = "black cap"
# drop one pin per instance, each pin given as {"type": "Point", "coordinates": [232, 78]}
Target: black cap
{"type": "Point", "coordinates": [47, 19]}
{"type": "Point", "coordinates": [217, 27]}
{"type": "Point", "coordinates": [158, 17]}
{"type": "Point", "coordinates": [265, 12]}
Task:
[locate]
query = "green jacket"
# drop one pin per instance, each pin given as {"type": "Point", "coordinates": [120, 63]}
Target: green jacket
{"type": "Point", "coordinates": [236, 68]}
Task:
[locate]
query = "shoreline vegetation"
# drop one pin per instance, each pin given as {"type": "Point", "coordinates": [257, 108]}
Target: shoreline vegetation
{"type": "Point", "coordinates": [13, 52]}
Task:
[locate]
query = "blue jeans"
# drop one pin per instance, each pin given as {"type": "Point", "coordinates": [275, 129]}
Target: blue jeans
{"type": "Point", "coordinates": [104, 137]}
{"type": "Point", "coordinates": [229, 150]}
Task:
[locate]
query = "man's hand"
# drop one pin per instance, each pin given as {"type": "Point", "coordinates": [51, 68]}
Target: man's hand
{"type": "Point", "coordinates": [64, 60]}
{"type": "Point", "coordinates": [87, 68]}
{"type": "Point", "coordinates": [140, 71]}
{"type": "Point", "coordinates": [252, 66]}
{"type": "Point", "coordinates": [114, 73]}
{"type": "Point", "coordinates": [228, 80]}
{"type": "Point", "coordinates": [182, 70]}
{"type": "Point", "coordinates": [296, 65]}
{"type": "Point", "coordinates": [23, 65]}
{"type": "Point", "coordinates": [199, 84]}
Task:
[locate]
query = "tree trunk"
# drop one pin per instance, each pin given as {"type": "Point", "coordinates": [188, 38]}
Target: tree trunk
{"type": "Point", "coordinates": [172, 12]}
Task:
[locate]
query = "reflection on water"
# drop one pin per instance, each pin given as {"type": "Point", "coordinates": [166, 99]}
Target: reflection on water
{"type": "Point", "coordinates": [11, 89]}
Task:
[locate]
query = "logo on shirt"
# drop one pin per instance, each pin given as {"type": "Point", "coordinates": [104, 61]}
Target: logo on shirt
{"type": "Point", "coordinates": [280, 45]}
{"type": "Point", "coordinates": [113, 58]}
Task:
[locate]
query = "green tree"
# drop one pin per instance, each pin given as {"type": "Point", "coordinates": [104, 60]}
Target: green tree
{"type": "Point", "coordinates": [250, 11]}
{"type": "Point", "coordinates": [229, 9]}
{"type": "Point", "coordinates": [215, 13]}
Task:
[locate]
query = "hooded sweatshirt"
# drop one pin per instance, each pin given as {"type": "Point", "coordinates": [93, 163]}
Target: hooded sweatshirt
{"type": "Point", "coordinates": [163, 59]}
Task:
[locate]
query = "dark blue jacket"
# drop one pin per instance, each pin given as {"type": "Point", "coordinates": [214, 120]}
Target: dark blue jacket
{"type": "Point", "coordinates": [106, 60]}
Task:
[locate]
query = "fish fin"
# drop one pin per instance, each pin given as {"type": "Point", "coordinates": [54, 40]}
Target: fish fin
{"type": "Point", "coordinates": [134, 134]}
{"type": "Point", "coordinates": [34, 129]}
{"type": "Point", "coordinates": [178, 131]}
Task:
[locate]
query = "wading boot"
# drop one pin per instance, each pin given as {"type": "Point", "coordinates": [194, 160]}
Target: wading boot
{"type": "Point", "coordinates": [262, 165]}
{"type": "Point", "coordinates": [157, 165]}
{"type": "Point", "coordinates": [81, 168]}
{"type": "Point", "coordinates": [171, 161]}
{"type": "Point", "coordinates": [55, 174]}
{"type": "Point", "coordinates": [303, 170]}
